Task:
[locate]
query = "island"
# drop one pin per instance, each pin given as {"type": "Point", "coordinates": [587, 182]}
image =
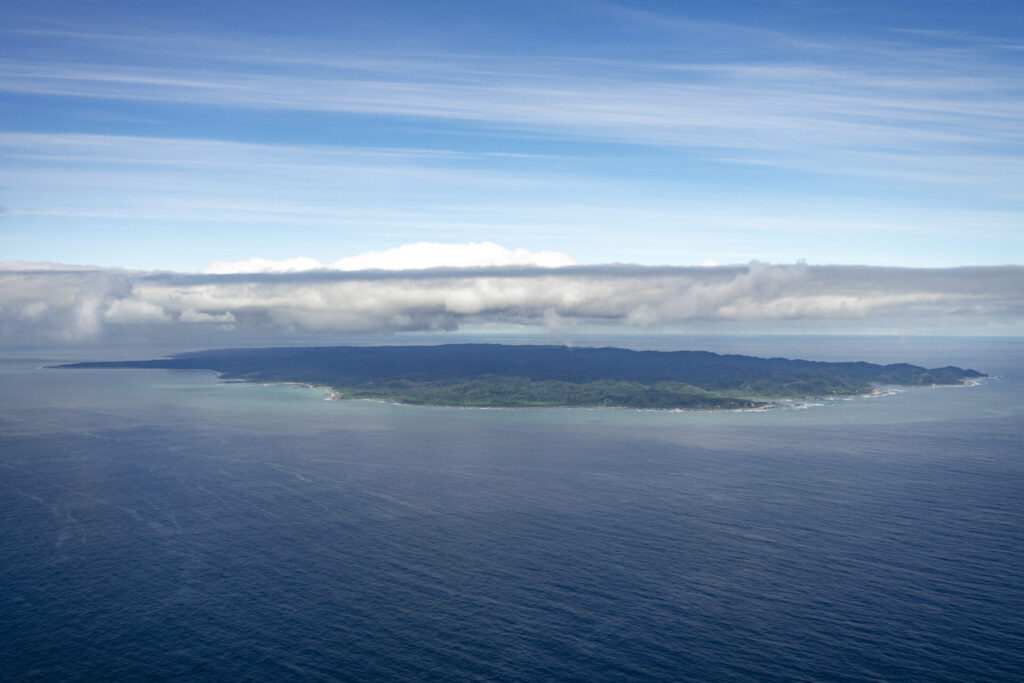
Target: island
{"type": "Point", "coordinates": [498, 375]}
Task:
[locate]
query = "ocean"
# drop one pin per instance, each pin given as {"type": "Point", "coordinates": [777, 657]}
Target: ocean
{"type": "Point", "coordinates": [164, 525]}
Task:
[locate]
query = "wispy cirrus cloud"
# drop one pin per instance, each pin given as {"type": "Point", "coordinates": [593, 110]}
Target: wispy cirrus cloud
{"type": "Point", "coordinates": [644, 136]}
{"type": "Point", "coordinates": [116, 182]}
{"type": "Point", "coordinates": [866, 115]}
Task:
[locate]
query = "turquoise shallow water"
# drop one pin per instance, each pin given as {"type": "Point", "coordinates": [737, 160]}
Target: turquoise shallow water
{"type": "Point", "coordinates": [164, 525]}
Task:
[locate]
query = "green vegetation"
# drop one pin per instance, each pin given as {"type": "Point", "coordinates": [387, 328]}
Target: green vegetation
{"type": "Point", "coordinates": [509, 376]}
{"type": "Point", "coordinates": [499, 391]}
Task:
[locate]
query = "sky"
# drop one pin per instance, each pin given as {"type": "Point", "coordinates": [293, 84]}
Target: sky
{"type": "Point", "coordinates": [226, 170]}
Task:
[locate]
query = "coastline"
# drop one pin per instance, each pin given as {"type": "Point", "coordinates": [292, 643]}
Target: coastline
{"type": "Point", "coordinates": [504, 376]}
{"type": "Point", "coordinates": [767, 403]}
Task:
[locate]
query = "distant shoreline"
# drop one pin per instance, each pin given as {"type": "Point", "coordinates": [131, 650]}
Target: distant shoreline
{"type": "Point", "coordinates": [499, 376]}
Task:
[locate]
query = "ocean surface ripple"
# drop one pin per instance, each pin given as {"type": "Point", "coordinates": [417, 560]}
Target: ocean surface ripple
{"type": "Point", "coordinates": [164, 526]}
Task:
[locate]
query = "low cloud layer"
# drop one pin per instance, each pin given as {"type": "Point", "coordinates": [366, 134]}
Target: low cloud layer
{"type": "Point", "coordinates": [42, 303]}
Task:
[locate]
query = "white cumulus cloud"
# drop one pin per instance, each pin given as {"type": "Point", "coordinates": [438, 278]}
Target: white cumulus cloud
{"type": "Point", "coordinates": [436, 255]}
{"type": "Point", "coordinates": [261, 265]}
{"type": "Point", "coordinates": [417, 256]}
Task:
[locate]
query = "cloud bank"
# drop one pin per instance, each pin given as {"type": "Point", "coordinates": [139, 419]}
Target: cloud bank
{"type": "Point", "coordinates": [243, 303]}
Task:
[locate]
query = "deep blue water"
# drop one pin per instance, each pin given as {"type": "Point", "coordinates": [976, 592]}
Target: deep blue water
{"type": "Point", "coordinates": [158, 525]}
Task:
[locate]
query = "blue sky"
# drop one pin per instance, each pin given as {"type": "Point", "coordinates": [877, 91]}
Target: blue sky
{"type": "Point", "coordinates": [172, 134]}
{"type": "Point", "coordinates": [225, 172]}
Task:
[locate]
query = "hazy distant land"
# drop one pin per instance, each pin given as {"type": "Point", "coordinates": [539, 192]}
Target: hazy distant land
{"type": "Point", "coordinates": [519, 376]}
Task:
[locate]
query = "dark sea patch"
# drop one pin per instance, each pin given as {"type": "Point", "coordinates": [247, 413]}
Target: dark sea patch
{"type": "Point", "coordinates": [160, 525]}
